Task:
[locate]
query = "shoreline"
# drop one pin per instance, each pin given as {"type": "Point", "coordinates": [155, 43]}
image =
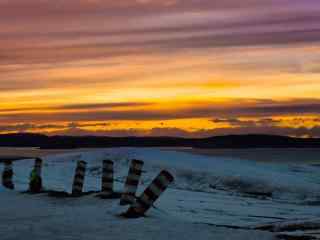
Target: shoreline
{"type": "Point", "coordinates": [265, 155]}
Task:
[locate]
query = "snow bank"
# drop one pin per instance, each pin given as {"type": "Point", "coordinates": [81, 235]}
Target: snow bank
{"type": "Point", "coordinates": [205, 173]}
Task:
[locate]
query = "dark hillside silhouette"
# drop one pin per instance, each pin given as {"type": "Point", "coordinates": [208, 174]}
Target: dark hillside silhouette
{"type": "Point", "coordinates": [230, 141]}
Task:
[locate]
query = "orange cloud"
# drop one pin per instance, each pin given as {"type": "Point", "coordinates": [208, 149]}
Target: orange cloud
{"type": "Point", "coordinates": [169, 66]}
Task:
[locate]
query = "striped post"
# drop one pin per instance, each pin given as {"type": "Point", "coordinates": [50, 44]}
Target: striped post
{"type": "Point", "coordinates": [150, 195]}
{"type": "Point", "coordinates": [107, 178]}
{"type": "Point", "coordinates": [131, 185]}
{"type": "Point", "coordinates": [7, 175]}
{"type": "Point", "coordinates": [79, 178]}
{"type": "Point", "coordinates": [35, 184]}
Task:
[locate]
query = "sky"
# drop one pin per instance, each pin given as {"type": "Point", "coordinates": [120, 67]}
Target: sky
{"type": "Point", "coordinates": [187, 68]}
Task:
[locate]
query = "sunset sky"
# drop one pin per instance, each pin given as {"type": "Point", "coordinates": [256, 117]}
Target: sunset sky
{"type": "Point", "coordinates": [190, 68]}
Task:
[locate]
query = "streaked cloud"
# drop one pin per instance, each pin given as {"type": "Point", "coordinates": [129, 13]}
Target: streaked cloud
{"type": "Point", "coordinates": [158, 60]}
{"type": "Point", "coordinates": [174, 132]}
{"type": "Point", "coordinates": [149, 111]}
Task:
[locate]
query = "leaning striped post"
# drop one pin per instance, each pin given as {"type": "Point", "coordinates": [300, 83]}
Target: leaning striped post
{"type": "Point", "coordinates": [107, 178]}
{"type": "Point", "coordinates": [150, 195]}
{"type": "Point", "coordinates": [35, 184]}
{"type": "Point", "coordinates": [79, 178]}
{"type": "Point", "coordinates": [131, 185]}
{"type": "Point", "coordinates": [7, 175]}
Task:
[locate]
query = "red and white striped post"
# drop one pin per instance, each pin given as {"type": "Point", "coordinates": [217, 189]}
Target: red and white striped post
{"type": "Point", "coordinates": [107, 178]}
{"type": "Point", "coordinates": [131, 185]}
{"type": "Point", "coordinates": [7, 175]}
{"type": "Point", "coordinates": [150, 195]}
{"type": "Point", "coordinates": [35, 185]}
{"type": "Point", "coordinates": [79, 176]}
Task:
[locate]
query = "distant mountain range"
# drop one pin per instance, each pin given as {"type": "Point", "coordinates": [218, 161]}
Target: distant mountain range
{"type": "Point", "coordinates": [230, 141]}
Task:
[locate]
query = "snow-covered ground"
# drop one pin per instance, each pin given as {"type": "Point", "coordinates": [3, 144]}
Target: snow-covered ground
{"type": "Point", "coordinates": [208, 191]}
{"type": "Point", "coordinates": [40, 217]}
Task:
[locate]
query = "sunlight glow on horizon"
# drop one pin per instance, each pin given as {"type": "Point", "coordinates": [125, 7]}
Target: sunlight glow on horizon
{"type": "Point", "coordinates": [139, 67]}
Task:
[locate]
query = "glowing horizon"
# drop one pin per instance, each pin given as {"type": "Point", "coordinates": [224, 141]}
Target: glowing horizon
{"type": "Point", "coordinates": [171, 67]}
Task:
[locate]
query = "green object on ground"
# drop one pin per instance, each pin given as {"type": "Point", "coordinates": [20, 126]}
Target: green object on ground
{"type": "Point", "coordinates": [35, 185]}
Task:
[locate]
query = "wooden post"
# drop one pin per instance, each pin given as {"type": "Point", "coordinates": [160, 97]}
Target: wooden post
{"type": "Point", "coordinates": [79, 178]}
{"type": "Point", "coordinates": [131, 185]}
{"type": "Point", "coordinates": [7, 175]}
{"type": "Point", "coordinates": [35, 184]}
{"type": "Point", "coordinates": [107, 178]}
{"type": "Point", "coordinates": [150, 195]}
